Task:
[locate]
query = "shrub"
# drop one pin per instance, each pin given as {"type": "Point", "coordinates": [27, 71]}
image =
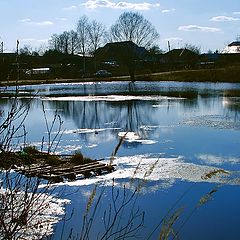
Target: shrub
{"type": "Point", "coordinates": [77, 158]}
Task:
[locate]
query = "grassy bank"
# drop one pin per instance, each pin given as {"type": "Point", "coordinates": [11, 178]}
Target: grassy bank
{"type": "Point", "coordinates": [228, 74]}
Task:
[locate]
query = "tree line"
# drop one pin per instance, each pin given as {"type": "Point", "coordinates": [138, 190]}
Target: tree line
{"type": "Point", "coordinates": [89, 35]}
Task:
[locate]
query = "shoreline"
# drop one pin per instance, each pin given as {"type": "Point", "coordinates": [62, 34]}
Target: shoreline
{"type": "Point", "coordinates": [228, 75]}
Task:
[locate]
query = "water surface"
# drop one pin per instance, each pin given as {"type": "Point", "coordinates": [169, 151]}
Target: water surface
{"type": "Point", "coordinates": [177, 133]}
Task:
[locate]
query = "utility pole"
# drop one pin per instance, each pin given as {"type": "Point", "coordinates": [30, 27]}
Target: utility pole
{"type": "Point", "coordinates": [17, 47]}
{"type": "Point", "coordinates": [17, 61]}
{"type": "Point", "coordinates": [1, 48]}
{"type": "Point", "coordinates": [169, 48]}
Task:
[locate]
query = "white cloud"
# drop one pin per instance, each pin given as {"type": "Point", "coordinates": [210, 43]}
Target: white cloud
{"type": "Point", "coordinates": [236, 13]}
{"type": "Point", "coordinates": [224, 19]}
{"type": "Point", "coordinates": [70, 8]}
{"type": "Point", "coordinates": [93, 4]}
{"type": "Point", "coordinates": [61, 19]}
{"type": "Point", "coordinates": [25, 20]}
{"type": "Point", "coordinates": [173, 39]}
{"type": "Point", "coordinates": [30, 22]}
{"type": "Point", "coordinates": [168, 10]}
{"type": "Point", "coordinates": [196, 28]}
{"type": "Point", "coordinates": [43, 23]}
{"type": "Point", "coordinates": [33, 40]}
{"type": "Point", "coordinates": [175, 42]}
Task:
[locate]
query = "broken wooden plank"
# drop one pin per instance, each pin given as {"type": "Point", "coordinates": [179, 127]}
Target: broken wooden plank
{"type": "Point", "coordinates": [87, 172]}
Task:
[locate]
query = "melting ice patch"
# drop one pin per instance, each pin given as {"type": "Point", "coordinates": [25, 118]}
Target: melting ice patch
{"type": "Point", "coordinates": [42, 214]}
{"type": "Point", "coordinates": [228, 101]}
{"type": "Point", "coordinates": [213, 121]}
{"type": "Point", "coordinates": [218, 160]}
{"type": "Point", "coordinates": [163, 172]}
{"type": "Point", "coordinates": [88, 130]}
{"type": "Point", "coordinates": [132, 137]}
{"type": "Point", "coordinates": [111, 98]}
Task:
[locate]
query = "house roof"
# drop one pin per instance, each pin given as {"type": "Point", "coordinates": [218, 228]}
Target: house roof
{"type": "Point", "coordinates": [127, 48]}
{"type": "Point", "coordinates": [234, 44]}
{"type": "Point", "coordinates": [182, 52]}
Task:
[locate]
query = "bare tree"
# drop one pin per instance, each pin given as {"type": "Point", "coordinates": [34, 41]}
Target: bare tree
{"type": "Point", "coordinates": [121, 202]}
{"type": "Point", "coordinates": [12, 128]}
{"type": "Point", "coordinates": [40, 50]}
{"type": "Point", "coordinates": [193, 48]}
{"type": "Point", "coordinates": [26, 50]}
{"type": "Point", "coordinates": [155, 49]}
{"type": "Point", "coordinates": [66, 42]}
{"type": "Point", "coordinates": [24, 208]}
{"type": "Point", "coordinates": [83, 38]}
{"type": "Point", "coordinates": [54, 42]}
{"type": "Point", "coordinates": [73, 42]}
{"type": "Point", "coordinates": [96, 33]}
{"type": "Point", "coordinates": [132, 26]}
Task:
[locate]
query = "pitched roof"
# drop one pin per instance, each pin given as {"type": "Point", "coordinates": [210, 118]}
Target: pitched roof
{"type": "Point", "coordinates": [182, 52]}
{"type": "Point", "coordinates": [234, 44]}
{"type": "Point", "coordinates": [121, 48]}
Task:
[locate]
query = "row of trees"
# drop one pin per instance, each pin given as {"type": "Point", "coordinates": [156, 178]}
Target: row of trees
{"type": "Point", "coordinates": [90, 35]}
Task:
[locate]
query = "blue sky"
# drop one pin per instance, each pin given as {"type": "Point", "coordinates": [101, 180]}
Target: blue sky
{"type": "Point", "coordinates": [210, 24]}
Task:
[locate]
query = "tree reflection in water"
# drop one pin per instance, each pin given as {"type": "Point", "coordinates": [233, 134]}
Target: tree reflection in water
{"type": "Point", "coordinates": [127, 115]}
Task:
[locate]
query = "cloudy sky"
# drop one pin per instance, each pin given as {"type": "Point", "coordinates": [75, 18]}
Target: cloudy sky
{"type": "Point", "coordinates": [210, 24]}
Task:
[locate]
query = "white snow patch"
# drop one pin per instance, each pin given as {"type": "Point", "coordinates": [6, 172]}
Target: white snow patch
{"type": "Point", "coordinates": [88, 130]}
{"type": "Point", "coordinates": [148, 168]}
{"type": "Point", "coordinates": [134, 137]}
{"type": "Point", "coordinates": [111, 98]}
{"type": "Point", "coordinates": [43, 212]}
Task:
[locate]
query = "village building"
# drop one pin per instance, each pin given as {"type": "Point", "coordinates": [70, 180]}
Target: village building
{"type": "Point", "coordinates": [233, 47]}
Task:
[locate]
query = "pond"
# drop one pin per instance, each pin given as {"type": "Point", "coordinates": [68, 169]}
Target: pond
{"type": "Point", "coordinates": [180, 150]}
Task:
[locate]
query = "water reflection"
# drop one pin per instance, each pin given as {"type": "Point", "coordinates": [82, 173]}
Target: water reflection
{"type": "Point", "coordinates": [161, 171]}
{"type": "Point", "coordinates": [178, 133]}
{"type": "Point", "coordinates": [97, 112]}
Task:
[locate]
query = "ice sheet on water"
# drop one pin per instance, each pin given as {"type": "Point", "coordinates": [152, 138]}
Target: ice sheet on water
{"type": "Point", "coordinates": [88, 130]}
{"type": "Point", "coordinates": [212, 121]}
{"type": "Point", "coordinates": [148, 127]}
{"type": "Point", "coordinates": [111, 98]}
{"type": "Point", "coordinates": [160, 170]}
{"type": "Point", "coordinates": [44, 211]}
{"type": "Point", "coordinates": [217, 160]}
{"type": "Point", "coordinates": [133, 137]}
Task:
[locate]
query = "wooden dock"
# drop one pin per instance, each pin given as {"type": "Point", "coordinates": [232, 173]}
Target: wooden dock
{"type": "Point", "coordinates": [59, 174]}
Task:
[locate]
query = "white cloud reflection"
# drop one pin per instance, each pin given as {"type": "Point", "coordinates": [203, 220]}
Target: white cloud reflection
{"type": "Point", "coordinates": [217, 160]}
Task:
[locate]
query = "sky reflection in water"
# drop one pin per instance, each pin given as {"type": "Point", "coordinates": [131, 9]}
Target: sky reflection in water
{"type": "Point", "coordinates": [184, 129]}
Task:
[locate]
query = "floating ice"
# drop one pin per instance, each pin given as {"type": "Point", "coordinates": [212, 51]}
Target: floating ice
{"type": "Point", "coordinates": [162, 171]}
{"type": "Point", "coordinates": [88, 130]}
{"type": "Point", "coordinates": [213, 121]}
{"type": "Point", "coordinates": [218, 160]}
{"type": "Point", "coordinates": [111, 98]}
{"type": "Point", "coordinates": [43, 211]}
{"type": "Point", "coordinates": [129, 135]}
{"type": "Point", "coordinates": [134, 137]}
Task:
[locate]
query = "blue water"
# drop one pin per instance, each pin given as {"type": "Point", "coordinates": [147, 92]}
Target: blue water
{"type": "Point", "coordinates": [199, 122]}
